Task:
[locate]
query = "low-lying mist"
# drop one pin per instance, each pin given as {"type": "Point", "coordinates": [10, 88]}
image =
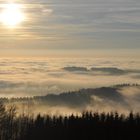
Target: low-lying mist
{"type": "Point", "coordinates": [121, 98]}
{"type": "Point", "coordinates": [39, 77]}
{"type": "Point", "coordinates": [70, 85]}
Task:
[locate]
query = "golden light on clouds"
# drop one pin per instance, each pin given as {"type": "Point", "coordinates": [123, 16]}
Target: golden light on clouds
{"type": "Point", "coordinates": [12, 15]}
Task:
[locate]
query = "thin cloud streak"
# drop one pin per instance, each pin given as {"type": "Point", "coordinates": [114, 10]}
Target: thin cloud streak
{"type": "Point", "coordinates": [106, 22]}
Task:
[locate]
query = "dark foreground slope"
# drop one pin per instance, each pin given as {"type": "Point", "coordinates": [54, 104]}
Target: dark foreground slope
{"type": "Point", "coordinates": [88, 126]}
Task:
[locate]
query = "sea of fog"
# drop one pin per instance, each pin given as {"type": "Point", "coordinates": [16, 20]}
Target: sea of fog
{"type": "Point", "coordinates": [41, 76]}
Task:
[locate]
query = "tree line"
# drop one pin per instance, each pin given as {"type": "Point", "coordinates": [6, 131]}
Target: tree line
{"type": "Point", "coordinates": [88, 126]}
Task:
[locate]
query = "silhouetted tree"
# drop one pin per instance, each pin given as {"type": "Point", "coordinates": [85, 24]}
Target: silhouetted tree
{"type": "Point", "coordinates": [88, 125]}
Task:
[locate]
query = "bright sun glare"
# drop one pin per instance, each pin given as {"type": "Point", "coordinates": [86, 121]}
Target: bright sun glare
{"type": "Point", "coordinates": [11, 15]}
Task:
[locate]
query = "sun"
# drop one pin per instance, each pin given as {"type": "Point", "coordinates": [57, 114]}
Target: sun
{"type": "Point", "coordinates": [11, 15]}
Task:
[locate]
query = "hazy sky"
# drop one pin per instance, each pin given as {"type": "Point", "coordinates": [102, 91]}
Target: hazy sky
{"type": "Point", "coordinates": [73, 25]}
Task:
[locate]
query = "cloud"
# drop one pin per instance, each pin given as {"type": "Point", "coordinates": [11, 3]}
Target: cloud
{"type": "Point", "coordinates": [136, 76]}
{"type": "Point", "coordinates": [30, 77]}
{"type": "Point", "coordinates": [76, 69]}
{"type": "Point", "coordinates": [41, 76]}
{"type": "Point", "coordinates": [66, 24]}
{"type": "Point", "coordinates": [101, 70]}
{"type": "Point", "coordinates": [110, 70]}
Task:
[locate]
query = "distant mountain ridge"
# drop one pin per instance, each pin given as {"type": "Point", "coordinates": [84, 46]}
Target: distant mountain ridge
{"type": "Point", "coordinates": [78, 99]}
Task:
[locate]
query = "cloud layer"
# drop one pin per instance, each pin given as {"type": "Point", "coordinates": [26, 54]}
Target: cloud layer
{"type": "Point", "coordinates": [109, 24]}
{"type": "Point", "coordinates": [34, 76]}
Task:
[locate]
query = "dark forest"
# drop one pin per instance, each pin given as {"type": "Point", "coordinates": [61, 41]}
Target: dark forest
{"type": "Point", "coordinates": [88, 126]}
